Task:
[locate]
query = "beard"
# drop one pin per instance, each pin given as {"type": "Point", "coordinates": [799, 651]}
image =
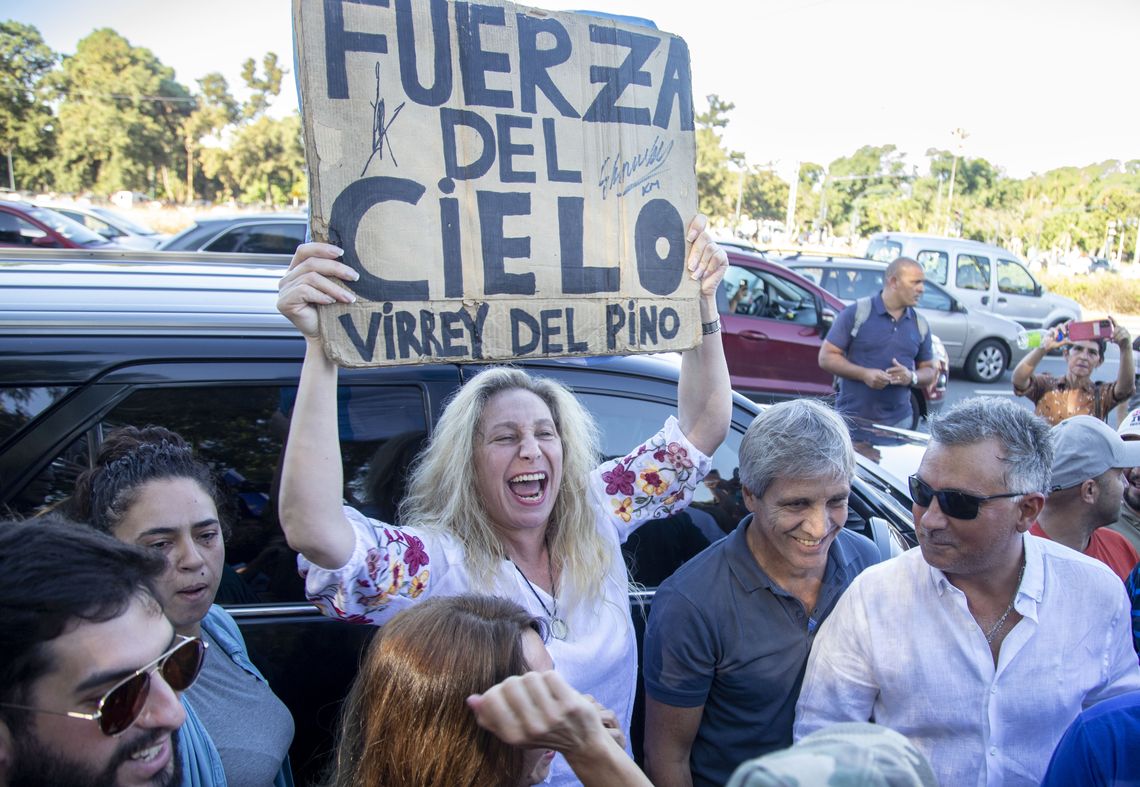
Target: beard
{"type": "Point", "coordinates": [35, 766]}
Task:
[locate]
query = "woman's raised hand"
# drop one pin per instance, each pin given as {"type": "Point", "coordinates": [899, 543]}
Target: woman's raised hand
{"type": "Point", "coordinates": [313, 279]}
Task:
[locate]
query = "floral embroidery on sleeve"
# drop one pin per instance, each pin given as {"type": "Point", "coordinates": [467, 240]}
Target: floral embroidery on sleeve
{"type": "Point", "coordinates": [395, 567]}
{"type": "Point", "coordinates": [656, 480]}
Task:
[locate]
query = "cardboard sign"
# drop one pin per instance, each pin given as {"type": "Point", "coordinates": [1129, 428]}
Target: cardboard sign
{"type": "Point", "coordinates": [508, 182]}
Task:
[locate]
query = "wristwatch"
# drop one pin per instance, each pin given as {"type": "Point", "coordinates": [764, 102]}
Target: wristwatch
{"type": "Point", "coordinates": [913, 377]}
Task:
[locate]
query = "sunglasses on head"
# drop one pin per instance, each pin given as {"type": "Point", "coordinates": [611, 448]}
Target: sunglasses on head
{"type": "Point", "coordinates": [958, 505]}
{"type": "Point", "coordinates": [121, 706]}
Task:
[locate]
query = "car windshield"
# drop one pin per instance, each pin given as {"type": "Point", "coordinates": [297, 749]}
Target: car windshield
{"type": "Point", "coordinates": [72, 230]}
{"type": "Point", "coordinates": [124, 222]}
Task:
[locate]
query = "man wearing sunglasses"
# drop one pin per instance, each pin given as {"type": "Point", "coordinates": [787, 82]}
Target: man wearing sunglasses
{"type": "Point", "coordinates": [983, 644]}
{"type": "Point", "coordinates": [91, 667]}
{"type": "Point", "coordinates": [1089, 462]}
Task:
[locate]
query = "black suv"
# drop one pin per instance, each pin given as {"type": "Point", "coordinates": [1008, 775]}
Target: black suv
{"type": "Point", "coordinates": [91, 341]}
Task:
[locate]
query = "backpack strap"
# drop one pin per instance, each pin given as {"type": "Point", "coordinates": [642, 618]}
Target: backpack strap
{"type": "Point", "coordinates": [862, 312]}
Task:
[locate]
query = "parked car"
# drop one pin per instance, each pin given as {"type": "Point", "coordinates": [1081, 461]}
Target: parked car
{"type": "Point", "coordinates": [265, 233]}
{"type": "Point", "coordinates": [112, 225]}
{"type": "Point", "coordinates": [980, 276]}
{"type": "Point", "coordinates": [980, 344]}
{"type": "Point", "coordinates": [23, 224]}
{"type": "Point", "coordinates": [773, 329]}
{"type": "Point", "coordinates": [92, 341]}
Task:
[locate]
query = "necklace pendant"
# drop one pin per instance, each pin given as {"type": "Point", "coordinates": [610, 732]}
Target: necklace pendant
{"type": "Point", "coordinates": [558, 628]}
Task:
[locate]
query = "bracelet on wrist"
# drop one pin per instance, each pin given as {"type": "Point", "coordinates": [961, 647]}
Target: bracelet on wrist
{"type": "Point", "coordinates": [710, 327]}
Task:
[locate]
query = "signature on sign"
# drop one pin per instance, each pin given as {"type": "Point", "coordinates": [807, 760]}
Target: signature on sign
{"type": "Point", "coordinates": [621, 175]}
{"type": "Point", "coordinates": [380, 128]}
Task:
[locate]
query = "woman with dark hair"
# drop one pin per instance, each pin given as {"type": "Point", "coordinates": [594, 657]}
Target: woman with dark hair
{"type": "Point", "coordinates": [509, 497]}
{"type": "Point", "coordinates": [147, 488]}
{"type": "Point", "coordinates": [407, 722]}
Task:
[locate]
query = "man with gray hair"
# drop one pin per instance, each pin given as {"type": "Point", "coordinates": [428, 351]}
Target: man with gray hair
{"type": "Point", "coordinates": [983, 645]}
{"type": "Point", "coordinates": [730, 631]}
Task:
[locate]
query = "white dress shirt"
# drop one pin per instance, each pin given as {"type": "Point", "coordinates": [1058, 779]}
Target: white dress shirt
{"type": "Point", "coordinates": [902, 649]}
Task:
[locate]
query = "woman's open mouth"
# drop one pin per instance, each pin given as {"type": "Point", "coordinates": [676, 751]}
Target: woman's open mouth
{"type": "Point", "coordinates": [529, 487]}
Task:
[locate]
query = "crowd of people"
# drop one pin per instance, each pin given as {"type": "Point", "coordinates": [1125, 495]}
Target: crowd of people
{"type": "Point", "coordinates": [993, 653]}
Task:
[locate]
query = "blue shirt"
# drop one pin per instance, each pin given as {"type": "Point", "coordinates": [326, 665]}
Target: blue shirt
{"type": "Point", "coordinates": [1102, 747]}
{"type": "Point", "coordinates": [880, 340]}
{"type": "Point", "coordinates": [1133, 586]}
{"type": "Point", "coordinates": [722, 634]}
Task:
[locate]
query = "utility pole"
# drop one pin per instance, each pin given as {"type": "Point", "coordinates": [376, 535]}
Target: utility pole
{"type": "Point", "coordinates": [960, 134]}
{"type": "Point", "coordinates": [790, 216]}
{"type": "Point", "coordinates": [739, 198]}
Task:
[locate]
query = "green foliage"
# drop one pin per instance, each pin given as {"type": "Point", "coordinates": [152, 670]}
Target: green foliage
{"type": "Point", "coordinates": [1099, 293]}
{"type": "Point", "coordinates": [121, 117]}
{"type": "Point", "coordinates": [27, 134]}
{"type": "Point", "coordinates": [264, 88]}
{"type": "Point", "coordinates": [265, 162]}
{"type": "Point", "coordinates": [717, 183]}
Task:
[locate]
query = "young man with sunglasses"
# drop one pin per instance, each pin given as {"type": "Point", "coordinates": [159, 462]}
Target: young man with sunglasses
{"type": "Point", "coordinates": [984, 644]}
{"type": "Point", "coordinates": [1089, 462]}
{"type": "Point", "coordinates": [1058, 398]}
{"type": "Point", "coordinates": [91, 667]}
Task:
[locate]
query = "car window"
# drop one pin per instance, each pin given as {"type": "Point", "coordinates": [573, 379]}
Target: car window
{"type": "Point", "coordinates": [883, 250]}
{"type": "Point", "coordinates": [281, 238]}
{"type": "Point", "coordinates": [72, 230]}
{"type": "Point", "coordinates": [19, 405]}
{"type": "Point", "coordinates": [15, 231]}
{"type": "Point", "coordinates": [934, 264]}
{"type": "Point", "coordinates": [240, 433]}
{"type": "Point", "coordinates": [936, 298]}
{"type": "Point", "coordinates": [817, 275]}
{"type": "Point", "coordinates": [658, 548]}
{"type": "Point", "coordinates": [973, 272]}
{"type": "Point", "coordinates": [1014, 279]}
{"type": "Point", "coordinates": [93, 224]}
{"type": "Point", "coordinates": [766, 295]}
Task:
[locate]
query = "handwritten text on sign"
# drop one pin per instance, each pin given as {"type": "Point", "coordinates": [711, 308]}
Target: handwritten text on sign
{"type": "Point", "coordinates": [508, 182]}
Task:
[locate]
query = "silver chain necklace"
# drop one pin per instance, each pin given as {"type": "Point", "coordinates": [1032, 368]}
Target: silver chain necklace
{"type": "Point", "coordinates": [558, 628]}
{"type": "Point", "coordinates": [1005, 615]}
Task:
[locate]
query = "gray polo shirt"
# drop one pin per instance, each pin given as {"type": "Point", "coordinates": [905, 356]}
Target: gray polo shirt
{"type": "Point", "coordinates": [723, 635]}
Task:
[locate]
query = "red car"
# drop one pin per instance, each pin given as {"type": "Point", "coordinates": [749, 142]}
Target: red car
{"type": "Point", "coordinates": [23, 224]}
{"type": "Point", "coordinates": [774, 322]}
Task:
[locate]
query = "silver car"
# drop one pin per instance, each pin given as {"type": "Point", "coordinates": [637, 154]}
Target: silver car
{"type": "Point", "coordinates": [980, 344]}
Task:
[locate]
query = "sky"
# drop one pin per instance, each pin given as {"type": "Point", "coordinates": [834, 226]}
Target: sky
{"type": "Point", "coordinates": [1035, 84]}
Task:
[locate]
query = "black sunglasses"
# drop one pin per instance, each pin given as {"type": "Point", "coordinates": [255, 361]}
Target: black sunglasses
{"type": "Point", "coordinates": [121, 706]}
{"type": "Point", "coordinates": [959, 505]}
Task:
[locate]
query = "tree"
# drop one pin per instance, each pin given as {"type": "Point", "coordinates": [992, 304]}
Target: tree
{"type": "Point", "coordinates": [264, 88]}
{"type": "Point", "coordinates": [765, 195]}
{"type": "Point", "coordinates": [26, 128]}
{"type": "Point", "coordinates": [265, 162]}
{"type": "Point", "coordinates": [215, 109]}
{"type": "Point", "coordinates": [717, 185]}
{"type": "Point", "coordinates": [121, 117]}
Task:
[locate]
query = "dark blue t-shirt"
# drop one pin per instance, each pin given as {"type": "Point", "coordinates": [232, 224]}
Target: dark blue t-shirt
{"type": "Point", "coordinates": [723, 635]}
{"type": "Point", "coordinates": [880, 340]}
{"type": "Point", "coordinates": [1101, 747]}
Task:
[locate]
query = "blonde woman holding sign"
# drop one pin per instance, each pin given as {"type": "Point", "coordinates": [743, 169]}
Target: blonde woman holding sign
{"type": "Point", "coordinates": [507, 499]}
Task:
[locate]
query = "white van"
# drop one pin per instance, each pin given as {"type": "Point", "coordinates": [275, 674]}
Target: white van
{"type": "Point", "coordinates": [979, 275]}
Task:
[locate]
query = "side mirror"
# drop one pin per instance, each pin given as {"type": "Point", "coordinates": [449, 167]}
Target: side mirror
{"type": "Point", "coordinates": [1036, 289]}
{"type": "Point", "coordinates": [826, 318]}
{"type": "Point", "coordinates": [958, 307]}
{"type": "Point", "coordinates": [44, 241]}
{"type": "Point", "coordinates": [109, 233]}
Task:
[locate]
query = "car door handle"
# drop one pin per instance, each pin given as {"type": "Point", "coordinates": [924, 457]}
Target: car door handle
{"type": "Point", "coordinates": [755, 336]}
{"type": "Point", "coordinates": [1001, 300]}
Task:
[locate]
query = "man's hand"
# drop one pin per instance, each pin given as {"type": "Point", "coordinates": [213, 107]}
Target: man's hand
{"type": "Point", "coordinates": [899, 374]}
{"type": "Point", "coordinates": [876, 378]}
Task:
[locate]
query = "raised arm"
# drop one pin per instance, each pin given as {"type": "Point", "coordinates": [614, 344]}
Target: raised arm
{"type": "Point", "coordinates": [705, 391]}
{"type": "Point", "coordinates": [1024, 370]}
{"type": "Point", "coordinates": [1126, 376]}
{"type": "Point", "coordinates": [310, 502]}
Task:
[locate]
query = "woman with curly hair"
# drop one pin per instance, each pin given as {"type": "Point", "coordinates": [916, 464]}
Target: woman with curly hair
{"type": "Point", "coordinates": [508, 498]}
{"type": "Point", "coordinates": [147, 488]}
